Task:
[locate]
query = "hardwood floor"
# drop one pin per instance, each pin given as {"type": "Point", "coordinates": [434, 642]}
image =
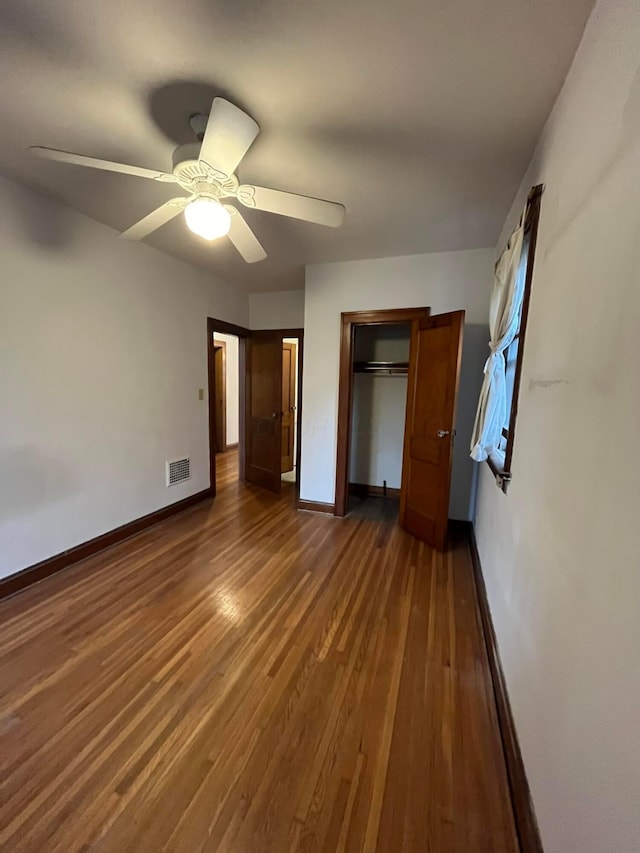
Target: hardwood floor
{"type": "Point", "coordinates": [244, 677]}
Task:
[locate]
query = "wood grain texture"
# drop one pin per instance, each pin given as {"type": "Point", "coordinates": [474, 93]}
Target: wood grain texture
{"type": "Point", "coordinates": [19, 581]}
{"type": "Point", "coordinates": [263, 407]}
{"type": "Point", "coordinates": [427, 456]}
{"type": "Point", "coordinates": [245, 677]}
{"type": "Point", "coordinates": [316, 506]}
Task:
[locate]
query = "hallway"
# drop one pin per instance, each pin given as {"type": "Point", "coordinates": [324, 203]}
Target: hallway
{"type": "Point", "coordinates": [245, 677]}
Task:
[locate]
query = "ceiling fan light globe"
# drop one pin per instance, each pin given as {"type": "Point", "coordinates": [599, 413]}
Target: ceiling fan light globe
{"type": "Point", "coordinates": [207, 218]}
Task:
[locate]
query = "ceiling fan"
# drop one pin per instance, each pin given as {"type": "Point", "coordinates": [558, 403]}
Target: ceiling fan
{"type": "Point", "coordinates": [205, 169]}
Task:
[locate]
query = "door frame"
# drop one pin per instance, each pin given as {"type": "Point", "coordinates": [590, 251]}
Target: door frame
{"type": "Point", "coordinates": [299, 334]}
{"type": "Point", "coordinates": [221, 326]}
{"type": "Point", "coordinates": [222, 345]}
{"type": "Point", "coordinates": [295, 397]}
{"type": "Point", "coordinates": [349, 321]}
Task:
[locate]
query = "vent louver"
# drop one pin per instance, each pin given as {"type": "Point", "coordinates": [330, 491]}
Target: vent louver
{"type": "Point", "coordinates": [178, 470]}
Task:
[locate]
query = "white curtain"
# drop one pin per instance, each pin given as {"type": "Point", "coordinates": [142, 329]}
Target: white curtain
{"type": "Point", "coordinates": [504, 318]}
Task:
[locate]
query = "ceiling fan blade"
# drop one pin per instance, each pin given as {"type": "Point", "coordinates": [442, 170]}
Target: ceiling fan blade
{"type": "Point", "coordinates": [229, 135]}
{"type": "Point", "coordinates": [289, 204]}
{"type": "Point", "coordinates": [95, 163]}
{"type": "Point", "coordinates": [161, 215]}
{"type": "Point", "coordinates": [243, 238]}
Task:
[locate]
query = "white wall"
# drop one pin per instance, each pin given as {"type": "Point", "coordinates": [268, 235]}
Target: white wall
{"type": "Point", "coordinates": [102, 351]}
{"type": "Point", "coordinates": [377, 429]}
{"type": "Point", "coordinates": [282, 309]}
{"type": "Point", "coordinates": [379, 408]}
{"type": "Point", "coordinates": [445, 281]}
{"type": "Point", "coordinates": [560, 552]}
{"type": "Point", "coordinates": [232, 379]}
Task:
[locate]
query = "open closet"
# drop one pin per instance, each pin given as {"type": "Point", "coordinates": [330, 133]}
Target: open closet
{"type": "Point", "coordinates": [399, 373]}
{"type": "Point", "coordinates": [378, 407]}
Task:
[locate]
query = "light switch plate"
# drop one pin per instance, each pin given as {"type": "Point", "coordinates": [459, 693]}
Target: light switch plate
{"type": "Point", "coordinates": [200, 393]}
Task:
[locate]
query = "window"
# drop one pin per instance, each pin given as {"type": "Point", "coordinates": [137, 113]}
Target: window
{"type": "Point", "coordinates": [500, 461]}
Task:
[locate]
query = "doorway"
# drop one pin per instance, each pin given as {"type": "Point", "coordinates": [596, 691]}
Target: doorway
{"type": "Point", "coordinates": [350, 323]}
{"type": "Point", "coordinates": [226, 344]}
{"type": "Point", "coordinates": [289, 422]}
{"type": "Point", "coordinates": [273, 402]}
{"type": "Point", "coordinates": [226, 350]}
{"type": "Point", "coordinates": [269, 406]}
{"type": "Point", "coordinates": [378, 407]}
{"type": "Point", "coordinates": [220, 357]}
{"type": "Point", "coordinates": [417, 357]}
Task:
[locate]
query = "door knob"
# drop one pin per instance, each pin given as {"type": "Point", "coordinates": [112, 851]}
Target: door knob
{"type": "Point", "coordinates": [442, 432]}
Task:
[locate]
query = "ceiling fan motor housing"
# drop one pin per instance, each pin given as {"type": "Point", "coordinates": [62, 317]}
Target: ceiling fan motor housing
{"type": "Point", "coordinates": [184, 154]}
{"type": "Point", "coordinates": [197, 176]}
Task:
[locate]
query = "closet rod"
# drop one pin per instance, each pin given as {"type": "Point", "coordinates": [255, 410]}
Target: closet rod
{"type": "Point", "coordinates": [382, 368]}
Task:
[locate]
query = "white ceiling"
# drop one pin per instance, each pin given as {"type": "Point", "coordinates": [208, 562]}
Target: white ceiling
{"type": "Point", "coordinates": [419, 115]}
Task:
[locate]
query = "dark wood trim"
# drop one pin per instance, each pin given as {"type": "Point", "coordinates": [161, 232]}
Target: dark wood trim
{"type": "Point", "coordinates": [211, 402]}
{"type": "Point", "coordinates": [228, 328]}
{"type": "Point", "coordinates": [349, 321]}
{"type": "Point", "coordinates": [298, 333]}
{"type": "Point", "coordinates": [496, 470]}
{"type": "Point", "coordinates": [242, 407]}
{"type": "Point", "coordinates": [316, 506]}
{"type": "Point", "coordinates": [385, 315]}
{"type": "Point", "coordinates": [524, 814]}
{"type": "Point", "coordinates": [33, 574]}
{"type": "Point", "coordinates": [233, 446]}
{"type": "Point", "coordinates": [362, 490]}
{"type": "Point", "coordinates": [222, 327]}
{"type": "Point", "coordinates": [345, 392]}
{"type": "Point", "coordinates": [531, 221]}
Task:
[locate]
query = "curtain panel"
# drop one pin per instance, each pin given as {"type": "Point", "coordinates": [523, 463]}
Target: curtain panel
{"type": "Point", "coordinates": [504, 319]}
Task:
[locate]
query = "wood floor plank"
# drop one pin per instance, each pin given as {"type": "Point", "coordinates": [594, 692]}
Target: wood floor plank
{"type": "Point", "coordinates": [246, 677]}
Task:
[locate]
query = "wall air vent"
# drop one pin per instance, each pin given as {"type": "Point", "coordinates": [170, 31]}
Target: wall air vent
{"type": "Point", "coordinates": [178, 470]}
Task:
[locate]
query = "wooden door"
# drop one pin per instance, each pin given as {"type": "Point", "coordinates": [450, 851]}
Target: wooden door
{"type": "Point", "coordinates": [263, 414]}
{"type": "Point", "coordinates": [220, 393]}
{"type": "Point", "coordinates": [434, 367]}
{"type": "Point", "coordinates": [289, 355]}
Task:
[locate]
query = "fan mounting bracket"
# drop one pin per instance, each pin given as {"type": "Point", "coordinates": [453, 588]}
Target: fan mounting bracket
{"type": "Point", "coordinates": [198, 123]}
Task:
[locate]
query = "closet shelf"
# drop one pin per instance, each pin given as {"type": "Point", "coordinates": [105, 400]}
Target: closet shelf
{"type": "Point", "coordinates": [382, 368]}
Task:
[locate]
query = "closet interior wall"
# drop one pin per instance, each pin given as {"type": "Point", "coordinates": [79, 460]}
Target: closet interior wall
{"type": "Point", "coordinates": [381, 354]}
